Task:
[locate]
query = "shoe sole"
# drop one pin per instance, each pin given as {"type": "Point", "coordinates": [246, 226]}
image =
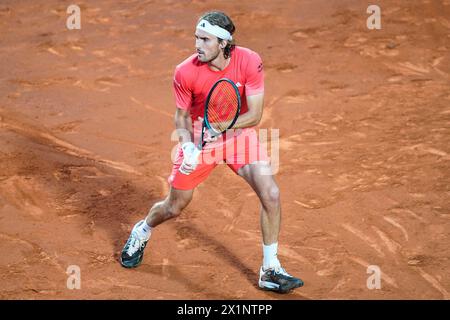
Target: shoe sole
{"type": "Point", "coordinates": [282, 290]}
{"type": "Point", "coordinates": [131, 266]}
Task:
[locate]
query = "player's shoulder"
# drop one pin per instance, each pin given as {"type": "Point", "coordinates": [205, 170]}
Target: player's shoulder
{"type": "Point", "coordinates": [248, 60]}
{"type": "Point", "coordinates": [188, 64]}
{"type": "Point", "coordinates": [246, 53]}
{"type": "Point", "coordinates": [185, 71]}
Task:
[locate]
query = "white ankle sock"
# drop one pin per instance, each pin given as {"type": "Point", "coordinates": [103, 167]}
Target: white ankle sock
{"type": "Point", "coordinates": [144, 230]}
{"type": "Point", "coordinates": [270, 259]}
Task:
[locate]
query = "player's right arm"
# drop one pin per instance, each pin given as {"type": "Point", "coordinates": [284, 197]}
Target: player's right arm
{"type": "Point", "coordinates": [182, 119]}
{"type": "Point", "coordinates": [183, 124]}
{"type": "Point", "coordinates": [183, 100]}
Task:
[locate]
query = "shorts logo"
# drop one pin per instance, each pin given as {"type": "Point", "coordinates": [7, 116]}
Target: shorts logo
{"type": "Point", "coordinates": [238, 84]}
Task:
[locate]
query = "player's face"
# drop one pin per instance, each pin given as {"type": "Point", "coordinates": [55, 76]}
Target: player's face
{"type": "Point", "coordinates": [207, 46]}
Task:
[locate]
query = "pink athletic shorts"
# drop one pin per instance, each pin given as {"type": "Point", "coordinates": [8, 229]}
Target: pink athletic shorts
{"type": "Point", "coordinates": [236, 152]}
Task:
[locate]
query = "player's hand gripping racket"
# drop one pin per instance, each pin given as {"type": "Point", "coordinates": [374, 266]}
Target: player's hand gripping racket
{"type": "Point", "coordinates": [221, 112]}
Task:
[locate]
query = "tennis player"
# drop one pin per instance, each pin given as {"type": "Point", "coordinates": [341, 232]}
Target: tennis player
{"type": "Point", "coordinates": [218, 57]}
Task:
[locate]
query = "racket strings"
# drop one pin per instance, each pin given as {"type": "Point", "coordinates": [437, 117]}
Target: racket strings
{"type": "Point", "coordinates": [222, 107]}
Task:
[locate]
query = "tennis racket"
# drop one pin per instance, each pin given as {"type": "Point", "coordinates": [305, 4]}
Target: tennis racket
{"type": "Point", "coordinates": [222, 108]}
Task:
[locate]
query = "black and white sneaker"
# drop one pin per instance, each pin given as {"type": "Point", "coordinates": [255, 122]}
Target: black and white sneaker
{"type": "Point", "coordinates": [133, 251]}
{"type": "Point", "coordinates": [278, 280]}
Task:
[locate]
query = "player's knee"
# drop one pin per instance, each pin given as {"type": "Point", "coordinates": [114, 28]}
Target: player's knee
{"type": "Point", "coordinates": [272, 195]}
{"type": "Point", "coordinates": [173, 211]}
{"type": "Point", "coordinates": [175, 208]}
{"type": "Point", "coordinates": [176, 201]}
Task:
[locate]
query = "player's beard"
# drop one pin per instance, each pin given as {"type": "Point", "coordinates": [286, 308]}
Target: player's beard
{"type": "Point", "coordinates": [215, 55]}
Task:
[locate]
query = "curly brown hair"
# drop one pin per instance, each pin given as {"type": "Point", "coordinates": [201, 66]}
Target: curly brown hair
{"type": "Point", "coordinates": [218, 18]}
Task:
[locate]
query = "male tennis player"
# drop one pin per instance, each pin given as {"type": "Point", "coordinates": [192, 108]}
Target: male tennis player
{"type": "Point", "coordinates": [217, 57]}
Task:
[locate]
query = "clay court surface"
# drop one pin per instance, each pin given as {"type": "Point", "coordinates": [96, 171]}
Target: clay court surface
{"type": "Point", "coordinates": [86, 118]}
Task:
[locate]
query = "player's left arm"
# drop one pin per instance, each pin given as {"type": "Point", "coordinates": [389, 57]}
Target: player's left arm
{"type": "Point", "coordinates": [253, 116]}
{"type": "Point", "coordinates": [254, 93]}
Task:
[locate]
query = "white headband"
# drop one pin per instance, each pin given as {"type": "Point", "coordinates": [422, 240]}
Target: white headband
{"type": "Point", "coordinates": [214, 30]}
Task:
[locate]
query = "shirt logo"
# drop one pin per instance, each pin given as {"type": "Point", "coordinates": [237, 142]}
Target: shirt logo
{"type": "Point", "coordinates": [260, 67]}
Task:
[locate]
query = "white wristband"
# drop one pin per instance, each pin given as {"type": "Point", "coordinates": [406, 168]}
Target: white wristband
{"type": "Point", "coordinates": [188, 148]}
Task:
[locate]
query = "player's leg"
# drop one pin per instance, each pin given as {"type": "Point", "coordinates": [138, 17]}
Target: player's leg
{"type": "Point", "coordinates": [181, 190]}
{"type": "Point", "coordinates": [271, 275]}
{"type": "Point", "coordinates": [250, 160]}
{"type": "Point", "coordinates": [170, 207]}
{"type": "Point", "coordinates": [269, 196]}
{"type": "Point", "coordinates": [247, 158]}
